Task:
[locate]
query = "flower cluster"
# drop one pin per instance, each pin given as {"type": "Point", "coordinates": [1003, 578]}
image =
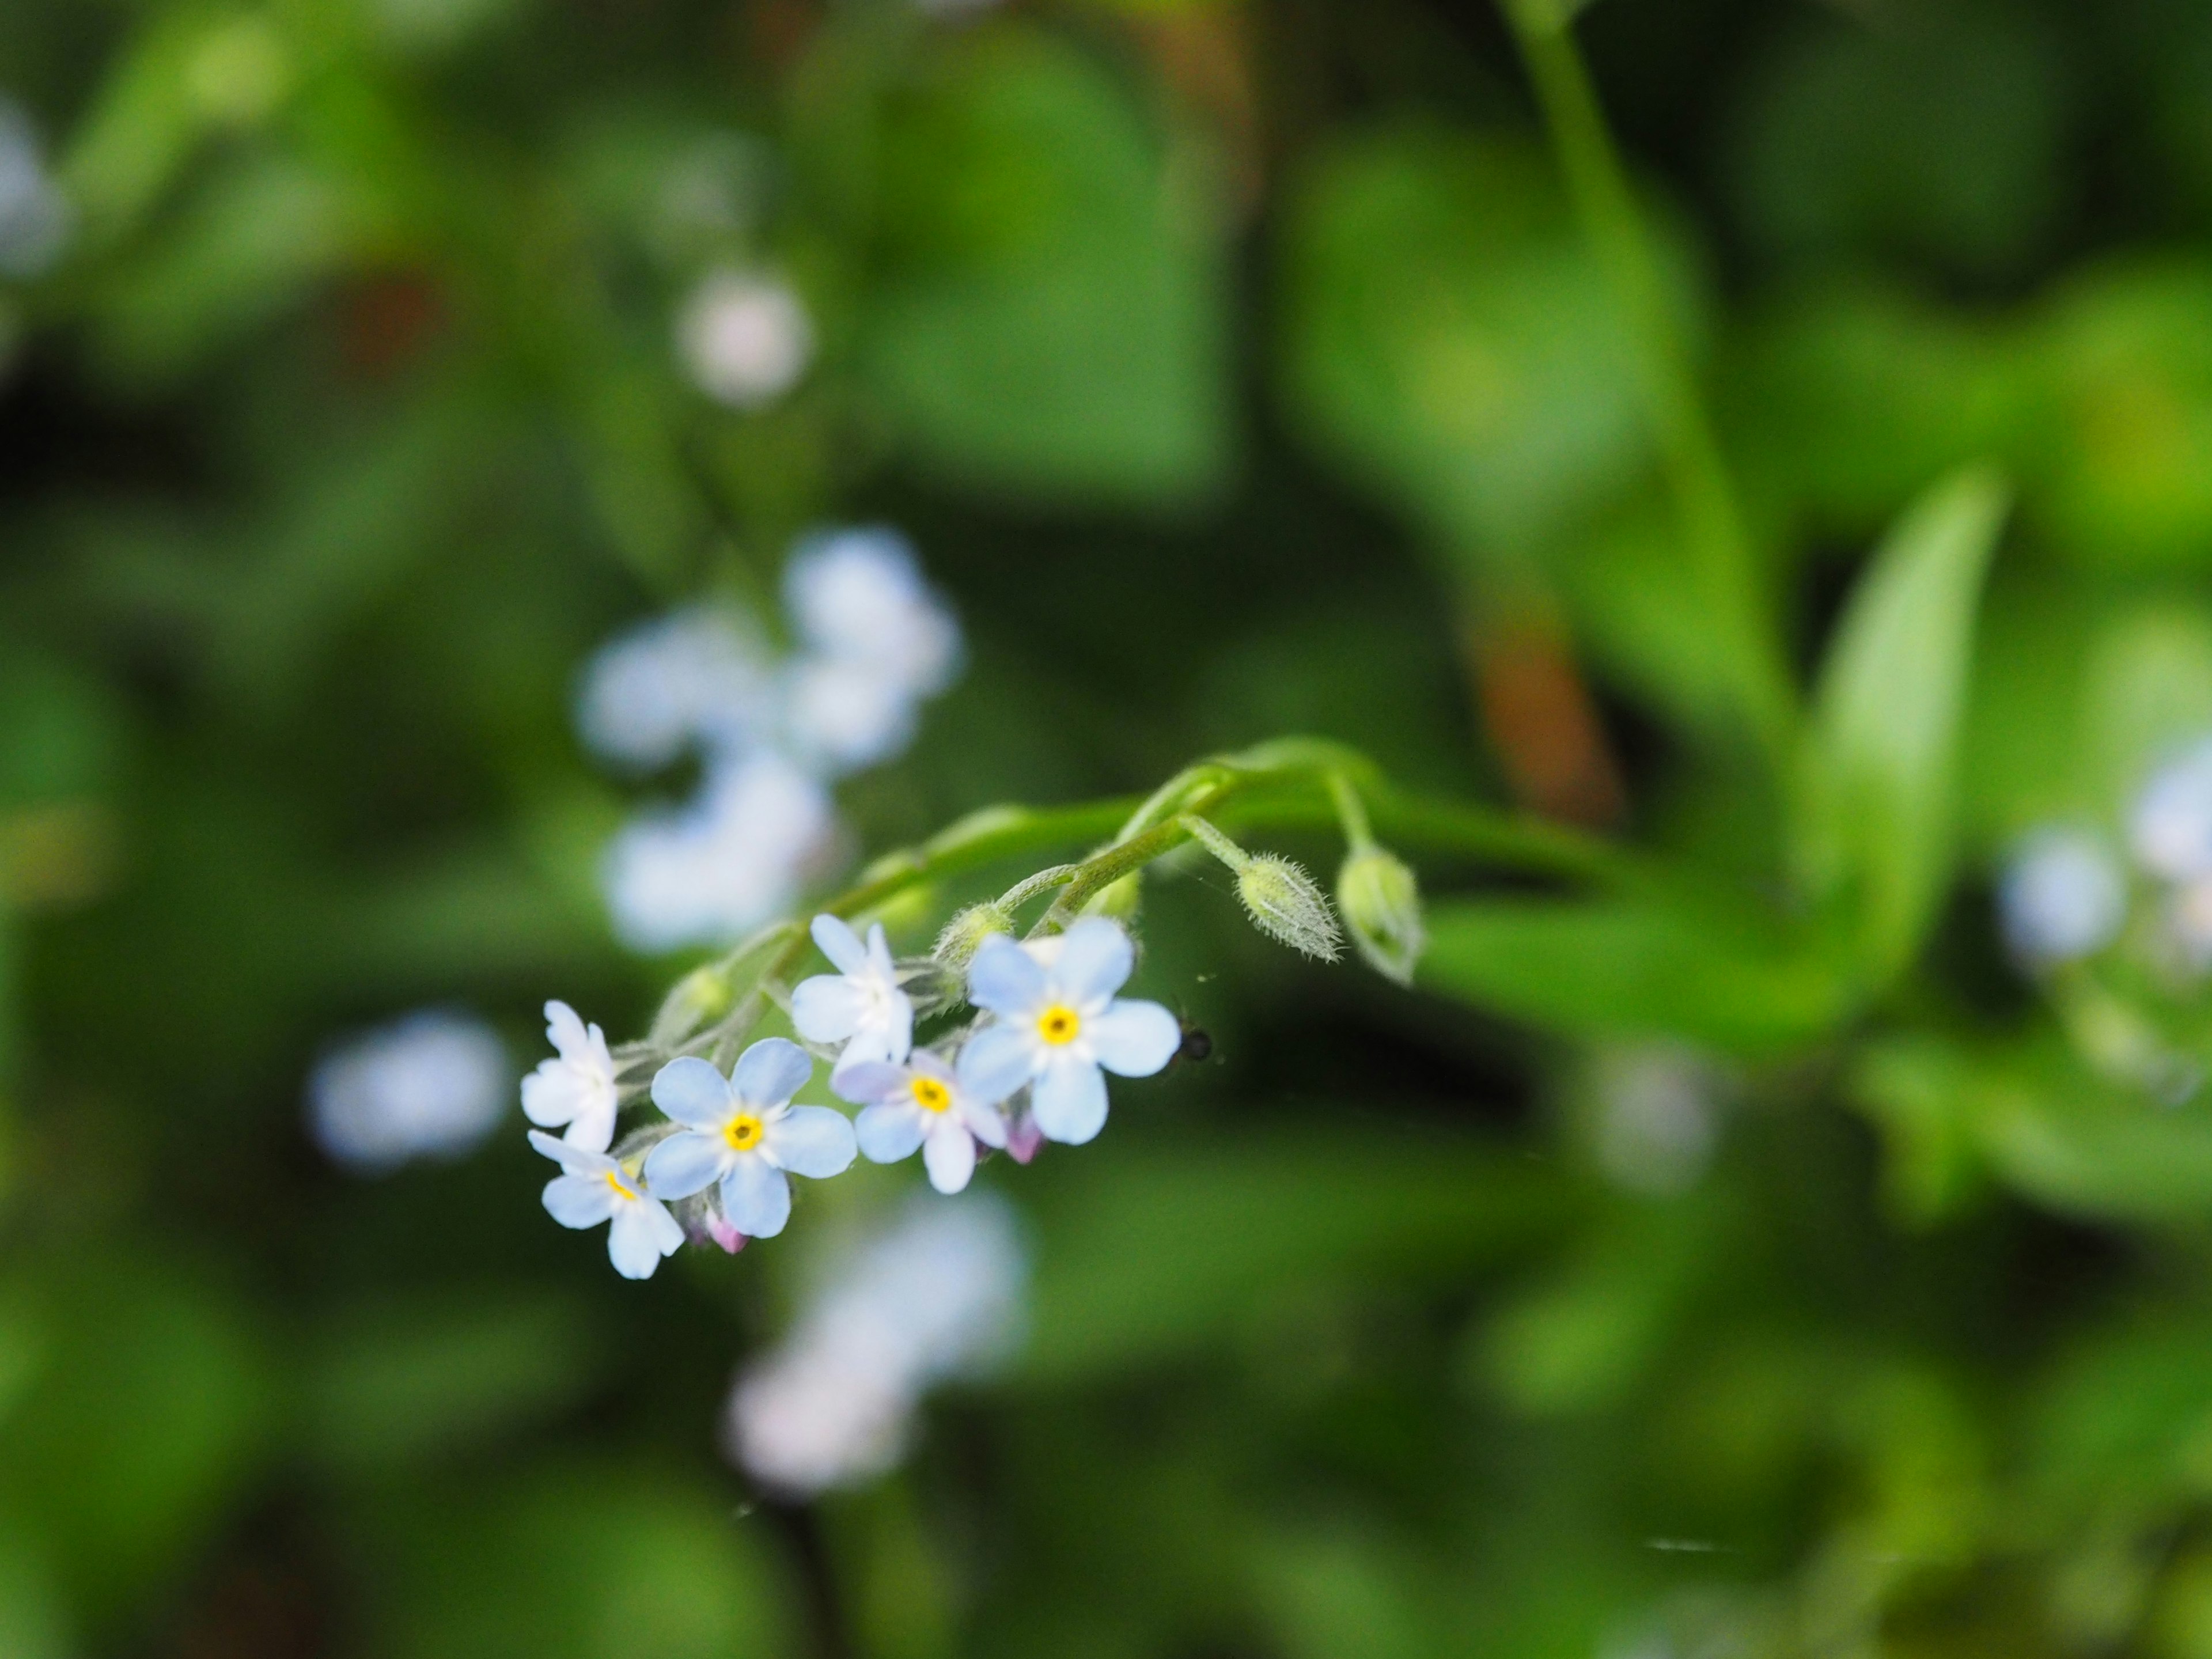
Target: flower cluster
{"type": "Point", "coordinates": [773, 733]}
{"type": "Point", "coordinates": [2115, 936]}
{"type": "Point", "coordinates": [1030, 1067]}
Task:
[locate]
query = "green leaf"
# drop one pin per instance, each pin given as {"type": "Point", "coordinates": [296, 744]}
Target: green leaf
{"type": "Point", "coordinates": [1448, 338]}
{"type": "Point", "coordinates": [1875, 832]}
{"type": "Point", "coordinates": [1051, 319]}
{"type": "Point", "coordinates": [1647, 966]}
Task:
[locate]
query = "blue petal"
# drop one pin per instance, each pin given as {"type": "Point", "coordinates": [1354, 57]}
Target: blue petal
{"type": "Point", "coordinates": [1070, 1100]}
{"type": "Point", "coordinates": [997, 1061]}
{"type": "Point", "coordinates": [826, 1008]}
{"type": "Point", "coordinates": [576, 1200]}
{"type": "Point", "coordinates": [867, 1082]}
{"type": "Point", "coordinates": [1135, 1039]}
{"type": "Point", "coordinates": [949, 1156]}
{"type": "Point", "coordinates": [576, 1160]}
{"type": "Point", "coordinates": [684, 1164]}
{"type": "Point", "coordinates": [838, 943]}
{"type": "Point", "coordinates": [1095, 959]}
{"type": "Point", "coordinates": [640, 1237]}
{"type": "Point", "coordinates": [692, 1091]}
{"type": "Point", "coordinates": [1004, 978]}
{"type": "Point", "coordinates": [770, 1072]}
{"type": "Point", "coordinates": [888, 1134]}
{"type": "Point", "coordinates": [810, 1140]}
{"type": "Point", "coordinates": [755, 1197]}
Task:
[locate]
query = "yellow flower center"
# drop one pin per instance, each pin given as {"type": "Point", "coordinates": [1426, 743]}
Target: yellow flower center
{"type": "Point", "coordinates": [1059, 1024]}
{"type": "Point", "coordinates": [622, 1189]}
{"type": "Point", "coordinates": [742, 1132]}
{"type": "Point", "coordinates": [931, 1095]}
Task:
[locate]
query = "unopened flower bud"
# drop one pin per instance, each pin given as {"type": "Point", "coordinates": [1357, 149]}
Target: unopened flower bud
{"type": "Point", "coordinates": [1118, 901]}
{"type": "Point", "coordinates": [965, 935]}
{"type": "Point", "coordinates": [1286, 905]}
{"type": "Point", "coordinates": [700, 997]}
{"type": "Point", "coordinates": [1382, 906]}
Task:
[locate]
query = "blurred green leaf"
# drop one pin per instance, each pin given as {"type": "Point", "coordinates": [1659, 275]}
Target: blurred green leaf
{"type": "Point", "coordinates": [1153, 1251]}
{"type": "Point", "coordinates": [1049, 321]}
{"type": "Point", "coordinates": [580, 1561]}
{"type": "Point", "coordinates": [1876, 837]}
{"type": "Point", "coordinates": [420, 1381]}
{"type": "Point", "coordinates": [1641, 967]}
{"type": "Point", "coordinates": [1447, 335]}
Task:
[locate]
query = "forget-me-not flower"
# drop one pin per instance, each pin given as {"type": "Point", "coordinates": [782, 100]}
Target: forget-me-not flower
{"type": "Point", "coordinates": [1058, 1022]}
{"type": "Point", "coordinates": [743, 1132]}
{"type": "Point", "coordinates": [861, 1005]}
{"type": "Point", "coordinates": [577, 1086]}
{"type": "Point", "coordinates": [592, 1188]}
{"type": "Point", "coordinates": [919, 1104]}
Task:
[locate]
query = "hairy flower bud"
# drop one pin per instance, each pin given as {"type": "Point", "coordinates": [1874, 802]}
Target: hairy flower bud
{"type": "Point", "coordinates": [701, 996]}
{"type": "Point", "coordinates": [1118, 901]}
{"type": "Point", "coordinates": [965, 935]}
{"type": "Point", "coordinates": [1382, 906]}
{"type": "Point", "coordinates": [1286, 905]}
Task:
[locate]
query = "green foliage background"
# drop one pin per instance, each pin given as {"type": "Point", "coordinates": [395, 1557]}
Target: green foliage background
{"type": "Point", "coordinates": [1236, 370]}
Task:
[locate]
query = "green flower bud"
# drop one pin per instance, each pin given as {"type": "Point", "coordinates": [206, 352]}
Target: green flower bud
{"type": "Point", "coordinates": [1286, 905]}
{"type": "Point", "coordinates": [1382, 906]}
{"type": "Point", "coordinates": [701, 997]}
{"type": "Point", "coordinates": [965, 935]}
{"type": "Point", "coordinates": [1118, 901]}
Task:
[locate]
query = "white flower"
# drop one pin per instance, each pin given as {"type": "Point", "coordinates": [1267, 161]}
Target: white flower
{"type": "Point", "coordinates": [2062, 896]}
{"type": "Point", "coordinates": [936, 1294]}
{"type": "Point", "coordinates": [861, 1005]}
{"type": "Point", "coordinates": [594, 1187]}
{"type": "Point", "coordinates": [2172, 829]}
{"type": "Point", "coordinates": [858, 595]}
{"type": "Point", "coordinates": [743, 1132]}
{"type": "Point", "coordinates": [745, 340]}
{"type": "Point", "coordinates": [432, 1085]}
{"type": "Point", "coordinates": [919, 1104]}
{"type": "Point", "coordinates": [576, 1088]}
{"type": "Point", "coordinates": [34, 215]}
{"type": "Point", "coordinates": [1058, 1023]}
{"type": "Point", "coordinates": [691, 677]}
{"type": "Point", "coordinates": [842, 715]}
{"type": "Point", "coordinates": [709, 872]}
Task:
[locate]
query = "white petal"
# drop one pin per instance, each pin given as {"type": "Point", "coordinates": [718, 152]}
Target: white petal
{"type": "Point", "coordinates": [579, 1201]}
{"type": "Point", "coordinates": [755, 1197]}
{"type": "Point", "coordinates": [810, 1140]}
{"type": "Point", "coordinates": [564, 1029]}
{"type": "Point", "coordinates": [879, 954]}
{"type": "Point", "coordinates": [692, 1091]}
{"type": "Point", "coordinates": [826, 1008]}
{"type": "Point", "coordinates": [948, 1155]}
{"type": "Point", "coordinates": [685, 1164]}
{"type": "Point", "coordinates": [770, 1071]}
{"type": "Point", "coordinates": [576, 1160]}
{"type": "Point", "coordinates": [899, 1036]}
{"type": "Point", "coordinates": [554, 1093]}
{"type": "Point", "coordinates": [1004, 978]}
{"type": "Point", "coordinates": [1070, 1100]}
{"type": "Point", "coordinates": [869, 1081]}
{"type": "Point", "coordinates": [593, 1126]}
{"type": "Point", "coordinates": [1095, 958]}
{"type": "Point", "coordinates": [1133, 1038]}
{"type": "Point", "coordinates": [634, 1242]}
{"type": "Point", "coordinates": [997, 1061]}
{"type": "Point", "coordinates": [888, 1134]}
{"type": "Point", "coordinates": [838, 943]}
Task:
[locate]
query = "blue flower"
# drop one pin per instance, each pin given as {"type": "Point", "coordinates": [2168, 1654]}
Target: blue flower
{"type": "Point", "coordinates": [743, 1132]}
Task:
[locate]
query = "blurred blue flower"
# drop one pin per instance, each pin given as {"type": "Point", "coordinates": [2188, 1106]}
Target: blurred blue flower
{"type": "Point", "coordinates": [2062, 896]}
{"type": "Point", "coordinates": [433, 1084]}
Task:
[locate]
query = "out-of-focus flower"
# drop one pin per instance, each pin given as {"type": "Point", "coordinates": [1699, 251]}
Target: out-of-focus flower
{"type": "Point", "coordinates": [745, 340]}
{"type": "Point", "coordinates": [861, 1005]}
{"type": "Point", "coordinates": [577, 1087]}
{"type": "Point", "coordinates": [742, 1133]}
{"type": "Point", "coordinates": [919, 1104]}
{"type": "Point", "coordinates": [857, 595]}
{"type": "Point", "coordinates": [707, 872]}
{"type": "Point", "coordinates": [2189, 924]}
{"type": "Point", "coordinates": [1657, 1120]}
{"type": "Point", "coordinates": [593, 1188]}
{"type": "Point", "coordinates": [432, 1085]}
{"type": "Point", "coordinates": [2171, 831]}
{"type": "Point", "coordinates": [690, 677]}
{"type": "Point", "coordinates": [936, 1294]}
{"type": "Point", "coordinates": [34, 215]}
{"type": "Point", "coordinates": [2063, 896]}
{"type": "Point", "coordinates": [1058, 1022]}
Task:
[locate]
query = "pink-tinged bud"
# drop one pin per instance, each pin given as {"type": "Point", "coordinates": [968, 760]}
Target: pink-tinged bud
{"type": "Point", "coordinates": [1023, 1135]}
{"type": "Point", "coordinates": [719, 1229]}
